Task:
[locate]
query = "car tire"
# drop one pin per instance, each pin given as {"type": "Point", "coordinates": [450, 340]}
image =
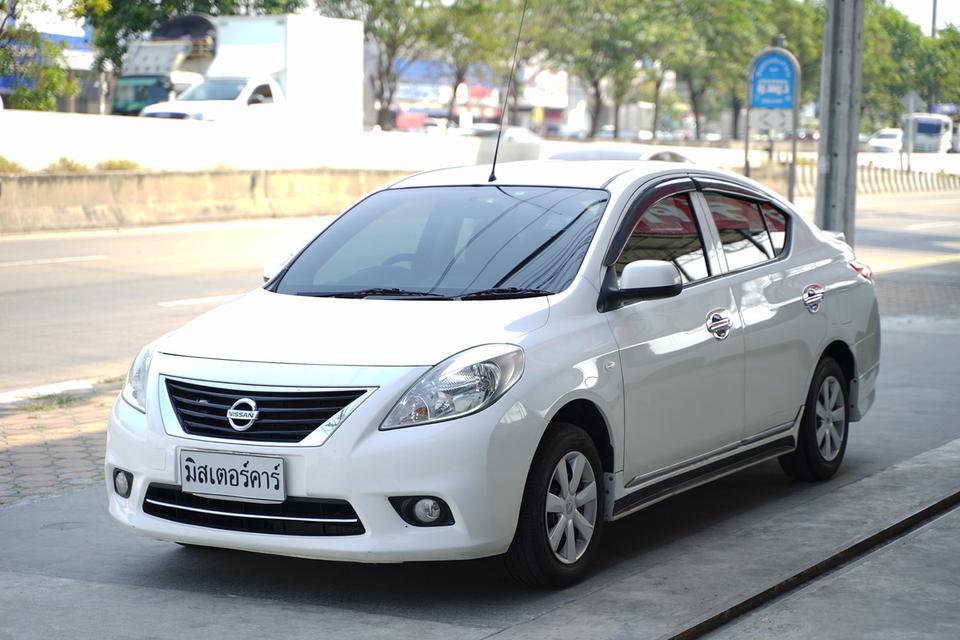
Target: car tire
{"type": "Point", "coordinates": [824, 427]}
{"type": "Point", "coordinates": [534, 558]}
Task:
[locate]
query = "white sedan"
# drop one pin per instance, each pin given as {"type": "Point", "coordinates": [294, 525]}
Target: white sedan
{"type": "Point", "coordinates": [458, 368]}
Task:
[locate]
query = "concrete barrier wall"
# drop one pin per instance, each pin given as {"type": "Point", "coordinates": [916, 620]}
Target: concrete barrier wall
{"type": "Point", "coordinates": [84, 201]}
{"type": "Point", "coordinates": [870, 179]}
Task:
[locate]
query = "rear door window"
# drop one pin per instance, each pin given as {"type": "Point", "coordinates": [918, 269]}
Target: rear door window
{"type": "Point", "coordinates": [776, 222]}
{"type": "Point", "coordinates": [742, 230]}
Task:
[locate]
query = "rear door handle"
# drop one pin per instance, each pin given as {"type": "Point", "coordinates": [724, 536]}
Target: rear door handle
{"type": "Point", "coordinates": [719, 323]}
{"type": "Point", "coordinates": [813, 297]}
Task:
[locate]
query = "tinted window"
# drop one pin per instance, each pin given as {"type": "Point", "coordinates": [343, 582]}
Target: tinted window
{"type": "Point", "coordinates": [452, 241]}
{"type": "Point", "coordinates": [221, 89]}
{"type": "Point", "coordinates": [776, 222]}
{"type": "Point", "coordinates": [668, 231]}
{"type": "Point", "coordinates": [742, 231]}
{"type": "Point", "coordinates": [266, 96]}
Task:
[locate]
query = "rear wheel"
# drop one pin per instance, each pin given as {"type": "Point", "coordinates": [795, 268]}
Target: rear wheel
{"type": "Point", "coordinates": [561, 513]}
{"type": "Point", "coordinates": [822, 440]}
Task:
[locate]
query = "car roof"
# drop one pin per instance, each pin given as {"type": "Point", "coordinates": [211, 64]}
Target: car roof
{"type": "Point", "coordinates": [587, 174]}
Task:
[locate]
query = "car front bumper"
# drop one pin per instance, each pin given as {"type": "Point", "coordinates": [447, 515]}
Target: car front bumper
{"type": "Point", "coordinates": [476, 464]}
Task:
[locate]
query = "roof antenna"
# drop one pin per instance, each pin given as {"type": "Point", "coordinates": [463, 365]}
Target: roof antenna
{"type": "Point", "coordinates": [506, 96]}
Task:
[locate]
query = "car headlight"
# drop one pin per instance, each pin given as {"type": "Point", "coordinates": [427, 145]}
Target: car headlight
{"type": "Point", "coordinates": [135, 388]}
{"type": "Point", "coordinates": [465, 383]}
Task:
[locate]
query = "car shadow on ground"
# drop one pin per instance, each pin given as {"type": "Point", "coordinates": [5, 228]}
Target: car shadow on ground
{"type": "Point", "coordinates": [480, 591]}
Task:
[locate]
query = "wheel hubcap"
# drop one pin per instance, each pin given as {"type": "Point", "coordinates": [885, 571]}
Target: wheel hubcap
{"type": "Point", "coordinates": [831, 418]}
{"type": "Point", "coordinates": [571, 507]}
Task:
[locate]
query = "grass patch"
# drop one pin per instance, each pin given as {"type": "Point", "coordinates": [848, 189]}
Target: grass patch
{"type": "Point", "coordinates": [9, 166]}
{"type": "Point", "coordinates": [53, 401]}
{"type": "Point", "coordinates": [66, 165]}
{"type": "Point", "coordinates": [120, 164]}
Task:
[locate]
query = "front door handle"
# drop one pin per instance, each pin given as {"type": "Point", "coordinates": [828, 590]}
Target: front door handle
{"type": "Point", "coordinates": [813, 297]}
{"type": "Point", "coordinates": [719, 323]}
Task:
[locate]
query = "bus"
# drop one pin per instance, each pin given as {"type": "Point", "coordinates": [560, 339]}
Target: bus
{"type": "Point", "coordinates": [928, 132]}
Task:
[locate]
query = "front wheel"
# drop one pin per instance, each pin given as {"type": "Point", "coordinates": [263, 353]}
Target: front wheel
{"type": "Point", "coordinates": [824, 428]}
{"type": "Point", "coordinates": [561, 514]}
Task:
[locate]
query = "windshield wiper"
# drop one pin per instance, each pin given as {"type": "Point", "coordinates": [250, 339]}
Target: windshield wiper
{"type": "Point", "coordinates": [505, 292]}
{"type": "Point", "coordinates": [364, 293]}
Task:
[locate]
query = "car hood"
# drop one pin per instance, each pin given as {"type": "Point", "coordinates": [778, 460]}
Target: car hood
{"type": "Point", "coordinates": [269, 327]}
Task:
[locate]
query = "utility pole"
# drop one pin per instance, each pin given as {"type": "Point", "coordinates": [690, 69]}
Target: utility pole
{"type": "Point", "coordinates": [933, 28]}
{"type": "Point", "coordinates": [840, 78]}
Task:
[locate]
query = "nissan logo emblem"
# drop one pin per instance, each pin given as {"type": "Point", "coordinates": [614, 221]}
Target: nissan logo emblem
{"type": "Point", "coordinates": [242, 414]}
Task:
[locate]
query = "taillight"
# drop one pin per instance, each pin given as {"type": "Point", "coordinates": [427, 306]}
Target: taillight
{"type": "Point", "coordinates": [863, 269]}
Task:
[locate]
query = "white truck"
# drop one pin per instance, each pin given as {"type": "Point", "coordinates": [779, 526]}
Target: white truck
{"type": "Point", "coordinates": [307, 65]}
{"type": "Point", "coordinates": [173, 59]}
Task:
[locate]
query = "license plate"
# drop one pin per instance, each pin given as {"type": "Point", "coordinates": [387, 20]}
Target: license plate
{"type": "Point", "coordinates": [232, 474]}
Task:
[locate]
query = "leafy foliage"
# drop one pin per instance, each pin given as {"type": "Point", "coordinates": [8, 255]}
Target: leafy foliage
{"type": "Point", "coordinates": [399, 30]}
{"type": "Point", "coordinates": [35, 64]}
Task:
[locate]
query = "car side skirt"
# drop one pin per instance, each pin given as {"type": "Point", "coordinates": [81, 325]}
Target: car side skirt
{"type": "Point", "coordinates": [655, 487]}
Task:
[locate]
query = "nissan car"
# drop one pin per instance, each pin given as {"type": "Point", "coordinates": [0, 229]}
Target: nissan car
{"type": "Point", "coordinates": [459, 368]}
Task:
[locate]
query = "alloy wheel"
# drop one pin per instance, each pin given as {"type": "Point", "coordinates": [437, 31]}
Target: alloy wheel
{"type": "Point", "coordinates": [831, 418]}
{"type": "Point", "coordinates": [571, 507]}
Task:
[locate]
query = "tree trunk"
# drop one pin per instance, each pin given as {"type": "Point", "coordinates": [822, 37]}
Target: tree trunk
{"type": "Point", "coordinates": [459, 75]}
{"type": "Point", "coordinates": [656, 105]}
{"type": "Point", "coordinates": [596, 103]}
{"type": "Point", "coordinates": [695, 105]}
{"type": "Point", "coordinates": [616, 118]}
{"type": "Point", "coordinates": [736, 104]}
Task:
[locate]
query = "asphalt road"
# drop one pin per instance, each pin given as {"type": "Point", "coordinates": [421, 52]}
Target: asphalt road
{"type": "Point", "coordinates": [78, 306]}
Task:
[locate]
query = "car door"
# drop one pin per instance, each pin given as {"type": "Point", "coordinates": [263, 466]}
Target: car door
{"type": "Point", "coordinates": [778, 302]}
{"type": "Point", "coordinates": [681, 357]}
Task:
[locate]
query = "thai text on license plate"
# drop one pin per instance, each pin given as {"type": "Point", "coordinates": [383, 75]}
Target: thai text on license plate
{"type": "Point", "coordinates": [232, 474]}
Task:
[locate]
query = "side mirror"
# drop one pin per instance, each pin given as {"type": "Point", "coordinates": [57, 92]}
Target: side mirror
{"type": "Point", "coordinates": [274, 265]}
{"type": "Point", "coordinates": [640, 280]}
{"type": "Point", "coordinates": [256, 98]}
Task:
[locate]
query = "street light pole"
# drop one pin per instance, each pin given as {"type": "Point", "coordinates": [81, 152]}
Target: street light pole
{"type": "Point", "coordinates": [933, 27]}
{"type": "Point", "coordinates": [839, 116]}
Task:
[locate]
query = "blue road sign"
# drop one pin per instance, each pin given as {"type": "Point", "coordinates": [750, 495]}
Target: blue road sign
{"type": "Point", "coordinates": [772, 81]}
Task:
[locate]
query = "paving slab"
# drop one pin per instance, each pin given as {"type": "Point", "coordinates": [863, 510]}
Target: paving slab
{"type": "Point", "coordinates": [908, 590]}
{"type": "Point", "coordinates": [653, 578]}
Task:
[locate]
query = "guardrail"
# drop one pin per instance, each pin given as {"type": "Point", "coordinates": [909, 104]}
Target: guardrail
{"type": "Point", "coordinates": [870, 180]}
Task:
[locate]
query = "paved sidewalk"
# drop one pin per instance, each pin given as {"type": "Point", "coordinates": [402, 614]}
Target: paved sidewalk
{"type": "Point", "coordinates": [52, 444]}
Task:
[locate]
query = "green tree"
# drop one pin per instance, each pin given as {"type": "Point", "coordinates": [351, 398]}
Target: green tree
{"type": "Point", "coordinates": [35, 64]}
{"type": "Point", "coordinates": [117, 22]}
{"type": "Point", "coordinates": [400, 30]}
{"type": "Point", "coordinates": [715, 41]}
{"type": "Point", "coordinates": [467, 35]}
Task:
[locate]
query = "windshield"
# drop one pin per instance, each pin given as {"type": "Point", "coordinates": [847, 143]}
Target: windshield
{"type": "Point", "coordinates": [930, 127]}
{"type": "Point", "coordinates": [222, 89]}
{"type": "Point", "coordinates": [887, 135]}
{"type": "Point", "coordinates": [135, 93]}
{"type": "Point", "coordinates": [452, 241]}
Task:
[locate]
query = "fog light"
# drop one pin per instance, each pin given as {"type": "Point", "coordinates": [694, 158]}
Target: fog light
{"type": "Point", "coordinates": [122, 482]}
{"type": "Point", "coordinates": [427, 510]}
{"type": "Point", "coordinates": [422, 511]}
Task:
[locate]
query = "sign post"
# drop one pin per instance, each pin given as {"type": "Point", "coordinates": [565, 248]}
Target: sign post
{"type": "Point", "coordinates": [773, 102]}
{"type": "Point", "coordinates": [913, 103]}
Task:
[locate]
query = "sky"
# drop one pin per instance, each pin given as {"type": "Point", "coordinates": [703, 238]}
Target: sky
{"type": "Point", "coordinates": [921, 12]}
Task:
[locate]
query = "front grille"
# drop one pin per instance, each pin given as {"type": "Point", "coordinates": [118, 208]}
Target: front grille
{"type": "Point", "coordinates": [293, 517]}
{"type": "Point", "coordinates": [285, 416]}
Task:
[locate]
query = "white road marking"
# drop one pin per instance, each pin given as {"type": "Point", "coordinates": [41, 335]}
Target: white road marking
{"type": "Point", "coordinates": [40, 261]}
{"type": "Point", "coordinates": [931, 225]}
{"type": "Point", "coordinates": [189, 302]}
{"type": "Point", "coordinates": [17, 395]}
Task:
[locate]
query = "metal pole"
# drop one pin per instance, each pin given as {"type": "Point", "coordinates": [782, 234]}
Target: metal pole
{"type": "Point", "coordinates": [840, 80]}
{"type": "Point", "coordinates": [746, 135]}
{"type": "Point", "coordinates": [792, 182]}
{"type": "Point", "coordinates": [933, 27]}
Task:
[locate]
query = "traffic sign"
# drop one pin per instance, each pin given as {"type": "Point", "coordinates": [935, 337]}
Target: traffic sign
{"type": "Point", "coordinates": [773, 81]}
{"type": "Point", "coordinates": [913, 103]}
{"type": "Point", "coordinates": [776, 119]}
